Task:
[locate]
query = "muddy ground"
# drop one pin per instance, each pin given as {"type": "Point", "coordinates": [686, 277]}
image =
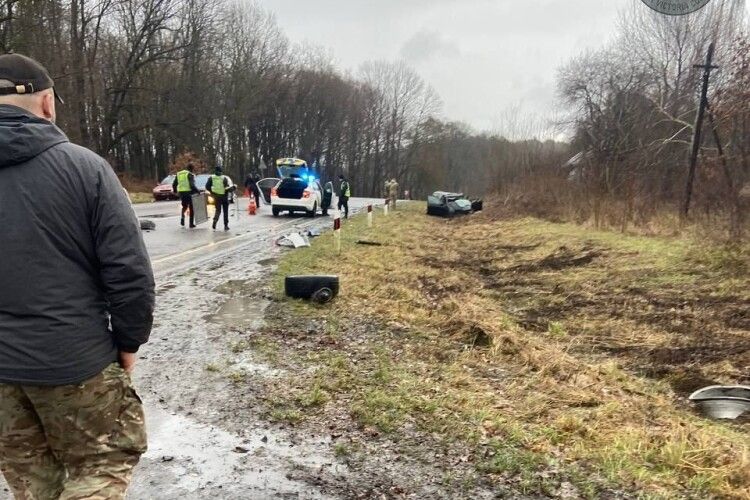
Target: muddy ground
{"type": "Point", "coordinates": [206, 440]}
{"type": "Point", "coordinates": [398, 463]}
{"type": "Point", "coordinates": [211, 430]}
{"type": "Point", "coordinates": [213, 433]}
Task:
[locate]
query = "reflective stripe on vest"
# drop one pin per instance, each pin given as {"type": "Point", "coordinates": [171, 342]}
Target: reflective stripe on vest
{"type": "Point", "coordinates": [183, 181]}
{"type": "Point", "coordinates": [217, 185]}
{"type": "Point", "coordinates": [346, 189]}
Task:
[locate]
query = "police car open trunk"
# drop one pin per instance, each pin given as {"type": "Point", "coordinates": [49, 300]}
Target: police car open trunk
{"type": "Point", "coordinates": [291, 188]}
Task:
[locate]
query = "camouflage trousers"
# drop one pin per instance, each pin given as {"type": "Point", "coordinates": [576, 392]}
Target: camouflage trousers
{"type": "Point", "coordinates": [71, 442]}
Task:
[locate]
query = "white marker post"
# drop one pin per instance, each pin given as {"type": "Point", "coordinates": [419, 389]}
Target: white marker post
{"type": "Point", "coordinates": [337, 232]}
{"type": "Point", "coordinates": [385, 208]}
{"type": "Point", "coordinates": [369, 215]}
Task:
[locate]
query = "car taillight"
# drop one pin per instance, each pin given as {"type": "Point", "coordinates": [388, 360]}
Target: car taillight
{"type": "Point", "coordinates": [306, 193]}
{"type": "Point", "coordinates": [274, 192]}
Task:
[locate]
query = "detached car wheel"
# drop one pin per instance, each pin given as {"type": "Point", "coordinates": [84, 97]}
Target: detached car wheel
{"type": "Point", "coordinates": [320, 289]}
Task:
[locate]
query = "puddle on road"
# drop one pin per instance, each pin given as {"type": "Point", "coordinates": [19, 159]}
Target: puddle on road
{"type": "Point", "coordinates": [187, 459]}
{"type": "Point", "coordinates": [241, 312]}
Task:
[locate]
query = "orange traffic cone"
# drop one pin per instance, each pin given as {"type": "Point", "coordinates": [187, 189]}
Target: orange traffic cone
{"type": "Point", "coordinates": [251, 207]}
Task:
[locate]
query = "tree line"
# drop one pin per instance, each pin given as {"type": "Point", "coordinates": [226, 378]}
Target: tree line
{"type": "Point", "coordinates": [149, 81]}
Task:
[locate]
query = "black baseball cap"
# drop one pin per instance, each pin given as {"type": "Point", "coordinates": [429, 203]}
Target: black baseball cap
{"type": "Point", "coordinates": [27, 76]}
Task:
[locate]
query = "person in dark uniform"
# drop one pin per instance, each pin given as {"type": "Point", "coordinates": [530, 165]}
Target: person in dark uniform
{"type": "Point", "coordinates": [251, 184]}
{"type": "Point", "coordinates": [218, 186]}
{"type": "Point", "coordinates": [184, 185]}
{"type": "Point", "coordinates": [345, 192]}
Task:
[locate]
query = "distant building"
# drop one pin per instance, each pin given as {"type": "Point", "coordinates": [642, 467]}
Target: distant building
{"type": "Point", "coordinates": [576, 165]}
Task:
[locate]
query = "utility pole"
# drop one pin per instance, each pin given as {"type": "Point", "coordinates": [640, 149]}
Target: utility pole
{"type": "Point", "coordinates": [696, 146]}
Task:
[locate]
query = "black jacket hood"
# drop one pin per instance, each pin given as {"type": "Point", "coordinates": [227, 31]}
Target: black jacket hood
{"type": "Point", "coordinates": [76, 284]}
{"type": "Point", "coordinates": [24, 136]}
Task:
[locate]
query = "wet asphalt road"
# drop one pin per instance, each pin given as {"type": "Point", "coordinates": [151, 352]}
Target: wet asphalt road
{"type": "Point", "coordinates": [171, 245]}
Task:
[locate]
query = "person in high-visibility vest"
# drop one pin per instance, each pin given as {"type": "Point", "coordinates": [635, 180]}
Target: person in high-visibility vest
{"type": "Point", "coordinates": [184, 185]}
{"type": "Point", "coordinates": [218, 186]}
{"type": "Point", "coordinates": [345, 192]}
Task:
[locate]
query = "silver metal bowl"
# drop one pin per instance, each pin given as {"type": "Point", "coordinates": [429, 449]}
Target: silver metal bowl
{"type": "Point", "coordinates": [723, 401]}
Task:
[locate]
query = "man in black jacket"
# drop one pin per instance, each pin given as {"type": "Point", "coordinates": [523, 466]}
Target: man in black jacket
{"type": "Point", "coordinates": [76, 302]}
{"type": "Point", "coordinates": [251, 184]}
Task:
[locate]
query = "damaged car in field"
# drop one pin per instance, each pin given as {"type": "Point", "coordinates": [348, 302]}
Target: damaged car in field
{"type": "Point", "coordinates": [445, 204]}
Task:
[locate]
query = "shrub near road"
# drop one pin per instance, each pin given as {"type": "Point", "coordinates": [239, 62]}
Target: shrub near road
{"type": "Point", "coordinates": [557, 359]}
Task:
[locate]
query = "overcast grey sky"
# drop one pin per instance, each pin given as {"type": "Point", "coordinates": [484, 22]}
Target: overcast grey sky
{"type": "Point", "coordinates": [482, 56]}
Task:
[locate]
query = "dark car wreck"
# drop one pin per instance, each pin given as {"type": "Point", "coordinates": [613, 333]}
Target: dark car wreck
{"type": "Point", "coordinates": [444, 204]}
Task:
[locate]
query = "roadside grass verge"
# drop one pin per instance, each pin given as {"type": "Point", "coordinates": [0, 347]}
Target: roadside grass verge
{"type": "Point", "coordinates": [540, 346]}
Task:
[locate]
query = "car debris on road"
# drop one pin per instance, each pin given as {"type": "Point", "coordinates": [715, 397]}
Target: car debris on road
{"type": "Point", "coordinates": [293, 240]}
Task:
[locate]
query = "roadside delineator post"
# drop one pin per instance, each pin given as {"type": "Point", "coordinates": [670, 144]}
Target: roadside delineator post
{"type": "Point", "coordinates": [337, 232]}
{"type": "Point", "coordinates": [369, 215]}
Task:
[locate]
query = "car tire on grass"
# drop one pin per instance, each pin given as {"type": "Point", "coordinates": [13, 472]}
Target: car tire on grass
{"type": "Point", "coordinates": [321, 289]}
{"type": "Point", "coordinates": [314, 211]}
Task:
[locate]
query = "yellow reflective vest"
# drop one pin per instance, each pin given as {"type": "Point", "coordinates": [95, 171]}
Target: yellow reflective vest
{"type": "Point", "coordinates": [183, 181]}
{"type": "Point", "coordinates": [217, 185]}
